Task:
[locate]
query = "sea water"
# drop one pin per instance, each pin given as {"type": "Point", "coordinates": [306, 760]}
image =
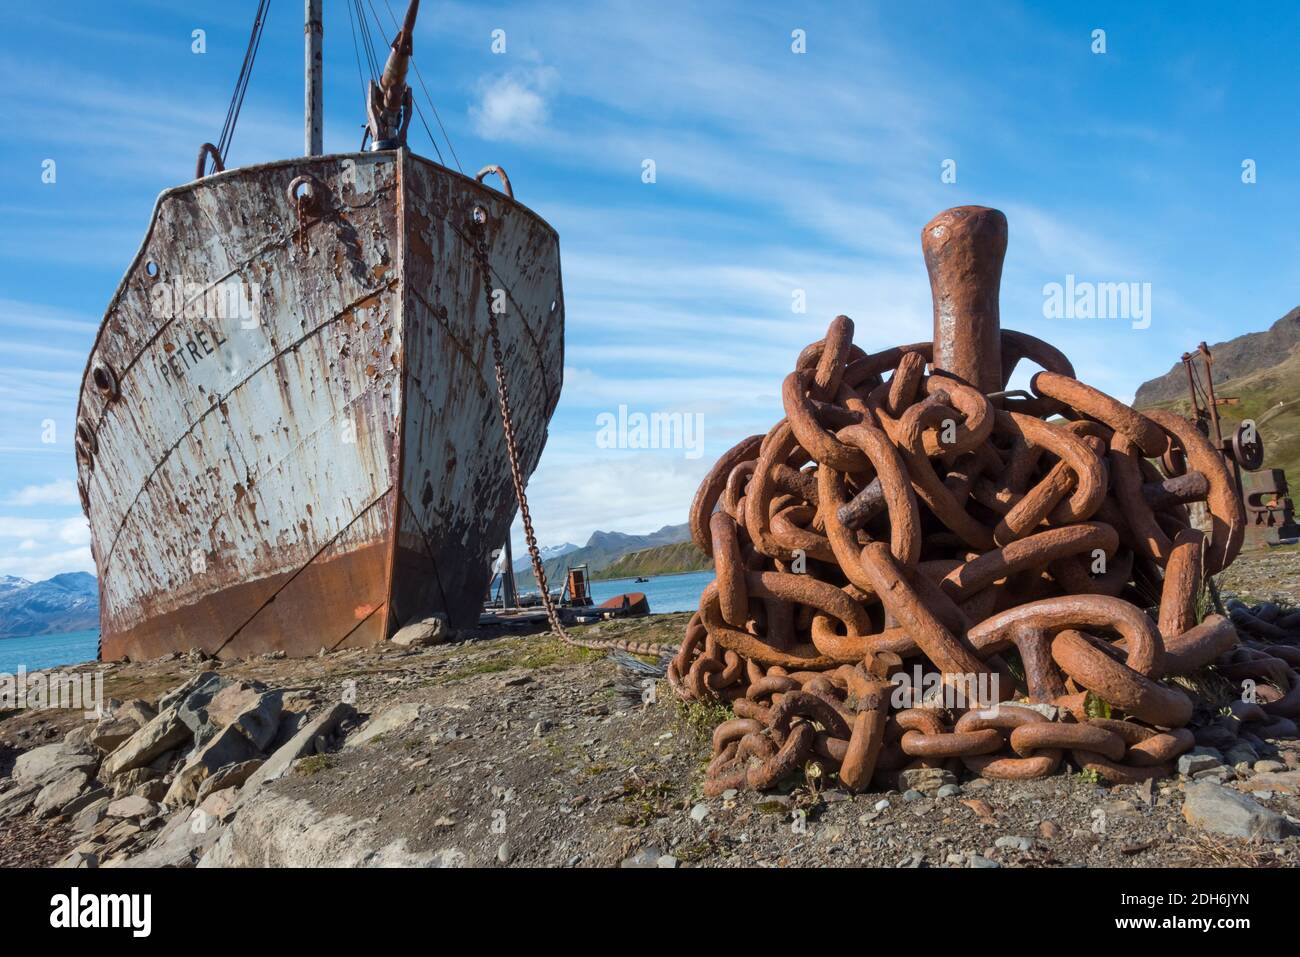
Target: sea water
{"type": "Point", "coordinates": [665, 592]}
{"type": "Point", "coordinates": [36, 652]}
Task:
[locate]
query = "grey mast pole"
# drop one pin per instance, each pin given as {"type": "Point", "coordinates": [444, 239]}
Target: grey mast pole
{"type": "Point", "coordinates": [313, 132]}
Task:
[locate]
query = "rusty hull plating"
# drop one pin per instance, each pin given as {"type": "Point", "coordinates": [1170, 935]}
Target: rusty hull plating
{"type": "Point", "coordinates": [287, 433]}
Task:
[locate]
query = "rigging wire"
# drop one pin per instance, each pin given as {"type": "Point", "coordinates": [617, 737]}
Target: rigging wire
{"type": "Point", "coordinates": [241, 83]}
{"type": "Point", "coordinates": [418, 110]}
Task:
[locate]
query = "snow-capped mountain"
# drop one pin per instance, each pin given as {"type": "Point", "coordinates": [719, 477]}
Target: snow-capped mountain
{"type": "Point", "coordinates": [63, 603]}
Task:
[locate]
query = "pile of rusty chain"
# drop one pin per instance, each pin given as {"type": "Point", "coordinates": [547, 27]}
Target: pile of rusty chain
{"type": "Point", "coordinates": [897, 517]}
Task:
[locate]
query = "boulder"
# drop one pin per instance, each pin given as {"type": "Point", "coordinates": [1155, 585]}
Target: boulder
{"type": "Point", "coordinates": [178, 694]}
{"type": "Point", "coordinates": [429, 631]}
{"type": "Point", "coordinates": [130, 781]}
{"type": "Point", "coordinates": [1199, 759]}
{"type": "Point", "coordinates": [275, 830]}
{"type": "Point", "coordinates": [229, 746]}
{"type": "Point", "coordinates": [228, 777]}
{"type": "Point", "coordinates": [18, 800]}
{"type": "Point", "coordinates": [1279, 782]}
{"type": "Point", "coordinates": [219, 805]}
{"type": "Point", "coordinates": [133, 808]}
{"type": "Point", "coordinates": [84, 800]}
{"type": "Point", "coordinates": [1220, 810]}
{"type": "Point", "coordinates": [186, 837]}
{"type": "Point", "coordinates": [160, 735]}
{"type": "Point", "coordinates": [52, 761]}
{"type": "Point", "coordinates": [310, 739]}
{"type": "Point", "coordinates": [193, 708]}
{"type": "Point", "coordinates": [86, 819]}
{"type": "Point", "coordinates": [80, 859]}
{"type": "Point", "coordinates": [392, 719]}
{"type": "Point", "coordinates": [249, 707]}
{"type": "Point", "coordinates": [59, 793]}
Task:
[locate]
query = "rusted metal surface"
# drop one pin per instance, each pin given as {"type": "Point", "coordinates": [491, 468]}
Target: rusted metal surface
{"type": "Point", "coordinates": [931, 524]}
{"type": "Point", "coordinates": [329, 466]}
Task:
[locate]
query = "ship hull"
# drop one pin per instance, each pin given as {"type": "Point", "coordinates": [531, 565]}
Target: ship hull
{"type": "Point", "coordinates": [288, 432]}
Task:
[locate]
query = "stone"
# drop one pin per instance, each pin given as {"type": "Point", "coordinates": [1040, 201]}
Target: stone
{"type": "Point", "coordinates": [1048, 711]}
{"type": "Point", "coordinates": [56, 795]}
{"type": "Point", "coordinates": [193, 708]}
{"type": "Point", "coordinates": [1268, 767]}
{"type": "Point", "coordinates": [249, 707]}
{"type": "Point", "coordinates": [131, 781]}
{"type": "Point", "coordinates": [84, 800]}
{"type": "Point", "coordinates": [666, 861]}
{"type": "Point", "coordinates": [42, 765]}
{"type": "Point", "coordinates": [1199, 759]}
{"type": "Point", "coordinates": [18, 800]}
{"type": "Point", "coordinates": [78, 739]}
{"type": "Point", "coordinates": [1220, 810]}
{"type": "Point", "coordinates": [397, 718]}
{"type": "Point", "coordinates": [949, 790]}
{"type": "Point", "coordinates": [980, 861]}
{"type": "Point", "coordinates": [228, 746]}
{"type": "Point", "coordinates": [1048, 830]}
{"type": "Point", "coordinates": [699, 813]}
{"type": "Point", "coordinates": [184, 839]}
{"type": "Point", "coordinates": [160, 735]}
{"type": "Point", "coordinates": [925, 779]}
{"type": "Point", "coordinates": [92, 814]}
{"type": "Point", "coordinates": [911, 794]}
{"type": "Point", "coordinates": [646, 857]}
{"type": "Point", "coordinates": [79, 859]}
{"type": "Point", "coordinates": [880, 805]}
{"type": "Point", "coordinates": [276, 830]}
{"type": "Point", "coordinates": [219, 805]}
{"type": "Point", "coordinates": [137, 710]}
{"type": "Point", "coordinates": [1014, 842]}
{"type": "Point", "coordinates": [178, 694]}
{"type": "Point", "coordinates": [306, 741]}
{"type": "Point", "coordinates": [154, 790]}
{"type": "Point", "coordinates": [133, 808]}
{"type": "Point", "coordinates": [429, 631]}
{"type": "Point", "coordinates": [111, 731]}
{"type": "Point", "coordinates": [228, 777]}
{"type": "Point", "coordinates": [1120, 810]}
{"type": "Point", "coordinates": [1281, 782]}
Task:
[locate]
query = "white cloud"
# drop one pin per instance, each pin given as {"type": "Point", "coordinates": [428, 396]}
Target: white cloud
{"type": "Point", "coordinates": [40, 567]}
{"type": "Point", "coordinates": [512, 107]}
{"type": "Point", "coordinates": [61, 492]}
{"type": "Point", "coordinates": [66, 531]}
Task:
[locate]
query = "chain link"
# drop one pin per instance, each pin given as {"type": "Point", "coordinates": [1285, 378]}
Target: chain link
{"type": "Point", "coordinates": [481, 247]}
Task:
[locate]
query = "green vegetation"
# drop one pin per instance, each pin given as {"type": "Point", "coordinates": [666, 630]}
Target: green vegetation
{"type": "Point", "coordinates": [1269, 397]}
{"type": "Point", "coordinates": [660, 560]}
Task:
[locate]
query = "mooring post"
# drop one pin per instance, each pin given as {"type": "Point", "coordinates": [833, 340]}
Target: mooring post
{"type": "Point", "coordinates": [314, 132]}
{"type": "Point", "coordinates": [964, 248]}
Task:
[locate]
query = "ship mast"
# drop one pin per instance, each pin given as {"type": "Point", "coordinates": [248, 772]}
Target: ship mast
{"type": "Point", "coordinates": [313, 120]}
{"type": "Point", "coordinates": [389, 103]}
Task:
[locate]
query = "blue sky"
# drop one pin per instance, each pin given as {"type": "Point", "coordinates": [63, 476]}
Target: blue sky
{"type": "Point", "coordinates": [775, 171]}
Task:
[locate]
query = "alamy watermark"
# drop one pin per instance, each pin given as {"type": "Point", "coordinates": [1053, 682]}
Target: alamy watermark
{"type": "Point", "coordinates": [82, 691]}
{"type": "Point", "coordinates": [654, 430]}
{"type": "Point", "coordinates": [232, 300]}
{"type": "Point", "coordinates": [1082, 299]}
{"type": "Point", "coordinates": [922, 689]}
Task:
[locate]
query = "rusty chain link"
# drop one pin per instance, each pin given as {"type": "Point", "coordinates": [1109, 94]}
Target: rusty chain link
{"type": "Point", "coordinates": [478, 221]}
{"type": "Point", "coordinates": [887, 522]}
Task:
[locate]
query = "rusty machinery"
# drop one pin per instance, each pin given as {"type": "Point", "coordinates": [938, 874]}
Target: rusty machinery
{"type": "Point", "coordinates": [1270, 514]}
{"type": "Point", "coordinates": [1001, 541]}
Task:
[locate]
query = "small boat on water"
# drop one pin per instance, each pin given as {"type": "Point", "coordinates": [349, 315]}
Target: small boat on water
{"type": "Point", "coordinates": [640, 580]}
{"type": "Point", "coordinates": [633, 604]}
{"type": "Point", "coordinates": [289, 433]}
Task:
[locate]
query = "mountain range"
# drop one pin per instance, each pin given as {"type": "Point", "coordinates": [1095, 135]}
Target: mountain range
{"type": "Point", "coordinates": [602, 549]}
{"type": "Point", "coordinates": [1257, 377]}
{"type": "Point", "coordinates": [60, 604]}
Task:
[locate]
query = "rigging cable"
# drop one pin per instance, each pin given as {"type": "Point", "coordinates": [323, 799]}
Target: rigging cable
{"type": "Point", "coordinates": [420, 112]}
{"type": "Point", "coordinates": [241, 83]}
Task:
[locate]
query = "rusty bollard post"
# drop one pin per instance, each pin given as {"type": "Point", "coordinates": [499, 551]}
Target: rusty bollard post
{"type": "Point", "coordinates": [964, 247]}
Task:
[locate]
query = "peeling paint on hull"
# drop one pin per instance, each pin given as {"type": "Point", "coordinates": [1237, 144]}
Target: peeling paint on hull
{"type": "Point", "coordinates": [288, 430]}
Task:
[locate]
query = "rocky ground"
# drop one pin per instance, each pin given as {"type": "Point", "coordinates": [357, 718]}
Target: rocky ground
{"type": "Point", "coordinates": [514, 750]}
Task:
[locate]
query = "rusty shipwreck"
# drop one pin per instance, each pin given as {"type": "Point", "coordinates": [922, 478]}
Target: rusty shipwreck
{"type": "Point", "coordinates": [288, 433]}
